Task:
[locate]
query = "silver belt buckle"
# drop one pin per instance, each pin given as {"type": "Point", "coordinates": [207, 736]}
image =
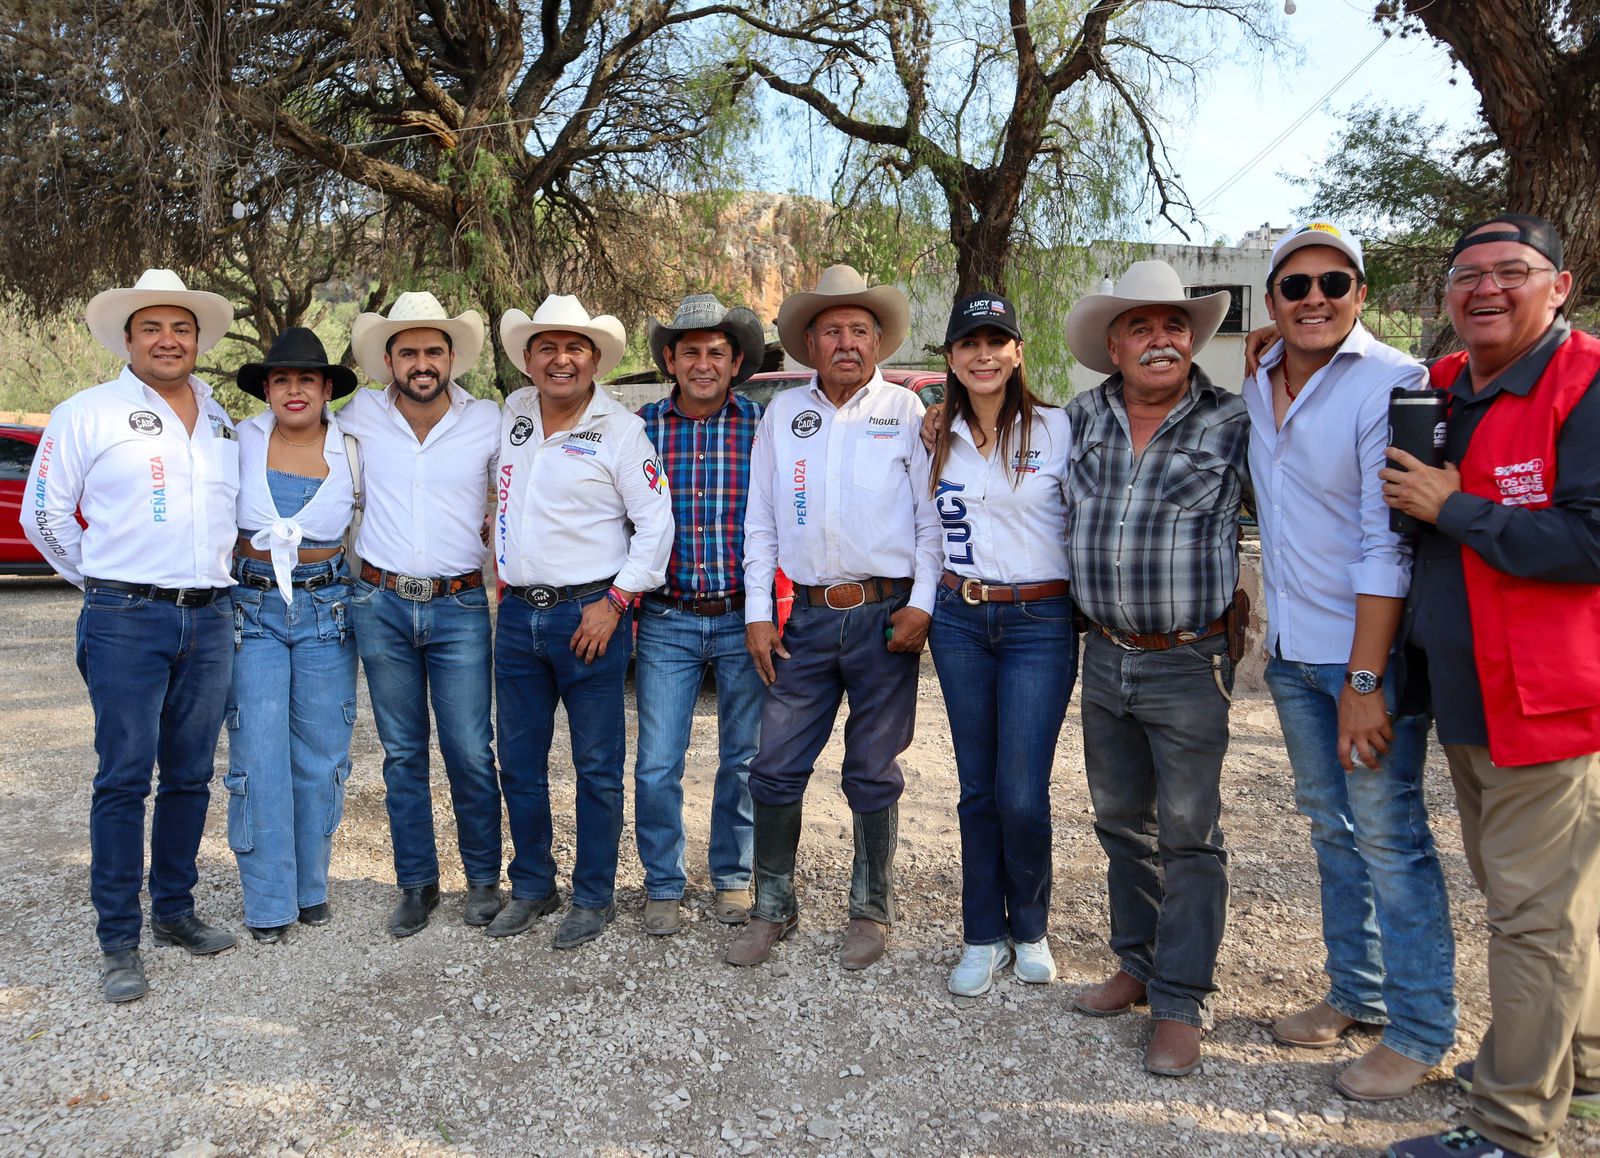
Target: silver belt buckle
{"type": "Point", "coordinates": [411, 587]}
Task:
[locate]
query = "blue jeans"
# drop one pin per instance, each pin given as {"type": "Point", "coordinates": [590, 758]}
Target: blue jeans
{"type": "Point", "coordinates": [534, 669]}
{"type": "Point", "coordinates": [157, 676]}
{"type": "Point", "coordinates": [1385, 912]}
{"type": "Point", "coordinates": [438, 650]}
{"type": "Point", "coordinates": [674, 649]}
{"type": "Point", "coordinates": [1007, 672]}
{"type": "Point", "coordinates": [1155, 730]}
{"type": "Point", "coordinates": [290, 716]}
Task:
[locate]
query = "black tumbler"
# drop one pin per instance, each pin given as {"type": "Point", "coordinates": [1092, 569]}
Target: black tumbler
{"type": "Point", "coordinates": [1416, 426]}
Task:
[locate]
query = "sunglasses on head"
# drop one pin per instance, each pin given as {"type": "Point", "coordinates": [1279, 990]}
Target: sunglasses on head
{"type": "Point", "coordinates": [1335, 284]}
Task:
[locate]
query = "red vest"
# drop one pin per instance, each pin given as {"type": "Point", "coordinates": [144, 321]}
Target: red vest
{"type": "Point", "coordinates": [1536, 643]}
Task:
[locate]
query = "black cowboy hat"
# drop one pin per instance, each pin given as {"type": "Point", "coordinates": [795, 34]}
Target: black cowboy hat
{"type": "Point", "coordinates": [297, 348]}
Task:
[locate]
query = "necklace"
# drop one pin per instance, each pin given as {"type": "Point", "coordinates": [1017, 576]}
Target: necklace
{"type": "Point", "coordinates": [291, 441]}
{"type": "Point", "coordinates": [1292, 391]}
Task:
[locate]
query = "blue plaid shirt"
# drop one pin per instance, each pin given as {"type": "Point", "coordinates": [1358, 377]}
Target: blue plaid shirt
{"type": "Point", "coordinates": [708, 475]}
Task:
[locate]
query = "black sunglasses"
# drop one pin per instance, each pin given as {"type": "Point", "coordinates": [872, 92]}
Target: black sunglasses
{"type": "Point", "coordinates": [1335, 284]}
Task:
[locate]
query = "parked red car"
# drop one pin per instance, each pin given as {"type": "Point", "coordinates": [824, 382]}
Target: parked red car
{"type": "Point", "coordinates": [17, 447]}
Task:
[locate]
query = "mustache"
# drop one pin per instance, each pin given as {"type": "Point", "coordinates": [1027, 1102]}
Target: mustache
{"type": "Point", "coordinates": [1159, 352]}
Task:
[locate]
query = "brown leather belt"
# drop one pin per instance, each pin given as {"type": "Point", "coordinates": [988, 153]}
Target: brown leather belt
{"type": "Point", "coordinates": [417, 588]}
{"type": "Point", "coordinates": [700, 605]}
{"type": "Point", "coordinates": [1158, 642]}
{"type": "Point", "coordinates": [976, 591]}
{"type": "Point", "coordinates": [852, 593]}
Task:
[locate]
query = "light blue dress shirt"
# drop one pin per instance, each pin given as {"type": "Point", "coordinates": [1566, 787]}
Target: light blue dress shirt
{"type": "Point", "coordinates": [1325, 534]}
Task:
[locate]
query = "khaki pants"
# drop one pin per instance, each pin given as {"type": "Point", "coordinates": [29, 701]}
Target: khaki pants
{"type": "Point", "coordinates": [1532, 837]}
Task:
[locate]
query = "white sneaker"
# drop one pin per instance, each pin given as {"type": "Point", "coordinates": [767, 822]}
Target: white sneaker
{"type": "Point", "coordinates": [1035, 964]}
{"type": "Point", "coordinates": [975, 974]}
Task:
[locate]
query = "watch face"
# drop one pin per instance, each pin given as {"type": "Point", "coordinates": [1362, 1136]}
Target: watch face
{"type": "Point", "coordinates": [1364, 682]}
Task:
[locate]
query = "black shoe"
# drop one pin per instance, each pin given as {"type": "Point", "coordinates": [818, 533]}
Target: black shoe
{"type": "Point", "coordinates": [581, 924]}
{"type": "Point", "coordinates": [519, 915]}
{"type": "Point", "coordinates": [316, 914]}
{"type": "Point", "coordinates": [122, 976]}
{"type": "Point", "coordinates": [193, 934]}
{"type": "Point", "coordinates": [411, 914]}
{"type": "Point", "coordinates": [483, 902]}
{"type": "Point", "coordinates": [268, 936]}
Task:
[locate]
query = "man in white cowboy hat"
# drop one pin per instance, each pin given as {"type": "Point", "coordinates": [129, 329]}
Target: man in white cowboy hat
{"type": "Point", "coordinates": [704, 433]}
{"type": "Point", "coordinates": [1336, 579]}
{"type": "Point", "coordinates": [419, 608]}
{"type": "Point", "coordinates": [583, 524]}
{"type": "Point", "coordinates": [1158, 474]}
{"type": "Point", "coordinates": [152, 462]}
{"type": "Point", "coordinates": [834, 501]}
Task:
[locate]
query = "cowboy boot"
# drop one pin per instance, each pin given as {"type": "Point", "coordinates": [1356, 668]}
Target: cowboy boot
{"type": "Point", "coordinates": [871, 887]}
{"type": "Point", "coordinates": [775, 916]}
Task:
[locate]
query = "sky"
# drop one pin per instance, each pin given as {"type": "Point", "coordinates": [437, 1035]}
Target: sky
{"type": "Point", "coordinates": [1244, 108]}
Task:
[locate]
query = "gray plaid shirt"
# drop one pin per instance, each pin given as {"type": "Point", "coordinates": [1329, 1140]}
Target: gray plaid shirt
{"type": "Point", "coordinates": [1153, 539]}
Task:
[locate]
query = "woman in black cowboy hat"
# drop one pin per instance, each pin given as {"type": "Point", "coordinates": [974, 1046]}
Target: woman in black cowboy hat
{"type": "Point", "coordinates": [293, 701]}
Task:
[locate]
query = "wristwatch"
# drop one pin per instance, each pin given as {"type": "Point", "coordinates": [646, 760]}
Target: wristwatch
{"type": "Point", "coordinates": [1364, 683]}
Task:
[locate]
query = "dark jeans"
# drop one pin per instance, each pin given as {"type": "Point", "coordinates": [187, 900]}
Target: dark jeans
{"type": "Point", "coordinates": [535, 668]}
{"type": "Point", "coordinates": [834, 654]}
{"type": "Point", "coordinates": [1007, 672]}
{"type": "Point", "coordinates": [437, 651]}
{"type": "Point", "coordinates": [158, 679]}
{"type": "Point", "coordinates": [1155, 729]}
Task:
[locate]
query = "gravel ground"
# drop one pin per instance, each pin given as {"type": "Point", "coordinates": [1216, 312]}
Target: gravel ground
{"type": "Point", "coordinates": [344, 1041]}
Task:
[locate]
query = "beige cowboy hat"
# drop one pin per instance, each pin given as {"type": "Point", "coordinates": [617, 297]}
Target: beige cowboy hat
{"type": "Point", "coordinates": [109, 310]}
{"type": "Point", "coordinates": [705, 312]}
{"type": "Point", "coordinates": [840, 285]}
{"type": "Point", "coordinates": [414, 311]}
{"type": "Point", "coordinates": [1147, 283]}
{"type": "Point", "coordinates": [563, 312]}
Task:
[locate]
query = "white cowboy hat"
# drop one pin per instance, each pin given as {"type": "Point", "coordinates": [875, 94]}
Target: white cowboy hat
{"type": "Point", "coordinates": [109, 310]}
{"type": "Point", "coordinates": [563, 312]}
{"type": "Point", "coordinates": [705, 312]}
{"type": "Point", "coordinates": [415, 311]}
{"type": "Point", "coordinates": [1147, 283]}
{"type": "Point", "coordinates": [840, 285]}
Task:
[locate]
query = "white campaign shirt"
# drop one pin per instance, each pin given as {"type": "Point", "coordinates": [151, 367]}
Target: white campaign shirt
{"type": "Point", "coordinates": [425, 501]}
{"type": "Point", "coordinates": [833, 496]}
{"type": "Point", "coordinates": [582, 505]}
{"type": "Point", "coordinates": [323, 519]}
{"type": "Point", "coordinates": [1325, 534]}
{"type": "Point", "coordinates": [1005, 534]}
{"type": "Point", "coordinates": [158, 501]}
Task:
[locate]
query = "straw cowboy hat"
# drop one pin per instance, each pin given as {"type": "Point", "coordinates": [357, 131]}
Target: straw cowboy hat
{"type": "Point", "coordinates": [705, 312]}
{"type": "Point", "coordinates": [840, 285]}
{"type": "Point", "coordinates": [108, 311]}
{"type": "Point", "coordinates": [297, 348]}
{"type": "Point", "coordinates": [413, 311]}
{"type": "Point", "coordinates": [1147, 283]}
{"type": "Point", "coordinates": [563, 312]}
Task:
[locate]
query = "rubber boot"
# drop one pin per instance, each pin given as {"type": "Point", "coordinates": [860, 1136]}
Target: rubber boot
{"type": "Point", "coordinates": [871, 887]}
{"type": "Point", "coordinates": [776, 915]}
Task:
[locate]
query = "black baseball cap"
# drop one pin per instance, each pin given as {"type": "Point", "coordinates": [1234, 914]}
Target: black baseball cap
{"type": "Point", "coordinates": [976, 311]}
{"type": "Point", "coordinates": [1531, 231]}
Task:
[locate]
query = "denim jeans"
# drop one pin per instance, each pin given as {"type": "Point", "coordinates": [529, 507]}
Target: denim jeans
{"type": "Point", "coordinates": [534, 669]}
{"type": "Point", "coordinates": [157, 676]}
{"type": "Point", "coordinates": [1007, 672]}
{"type": "Point", "coordinates": [1155, 730]}
{"type": "Point", "coordinates": [1385, 912]}
{"type": "Point", "coordinates": [290, 716]}
{"type": "Point", "coordinates": [674, 648]}
{"type": "Point", "coordinates": [438, 650]}
{"type": "Point", "coordinates": [834, 654]}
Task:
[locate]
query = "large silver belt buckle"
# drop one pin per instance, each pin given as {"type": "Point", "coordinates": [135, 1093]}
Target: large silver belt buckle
{"type": "Point", "coordinates": [412, 587]}
{"type": "Point", "coordinates": [851, 594]}
{"type": "Point", "coordinates": [973, 592]}
{"type": "Point", "coordinates": [543, 597]}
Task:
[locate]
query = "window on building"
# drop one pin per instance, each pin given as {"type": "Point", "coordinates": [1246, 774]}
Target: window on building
{"type": "Point", "coordinates": [1237, 319]}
